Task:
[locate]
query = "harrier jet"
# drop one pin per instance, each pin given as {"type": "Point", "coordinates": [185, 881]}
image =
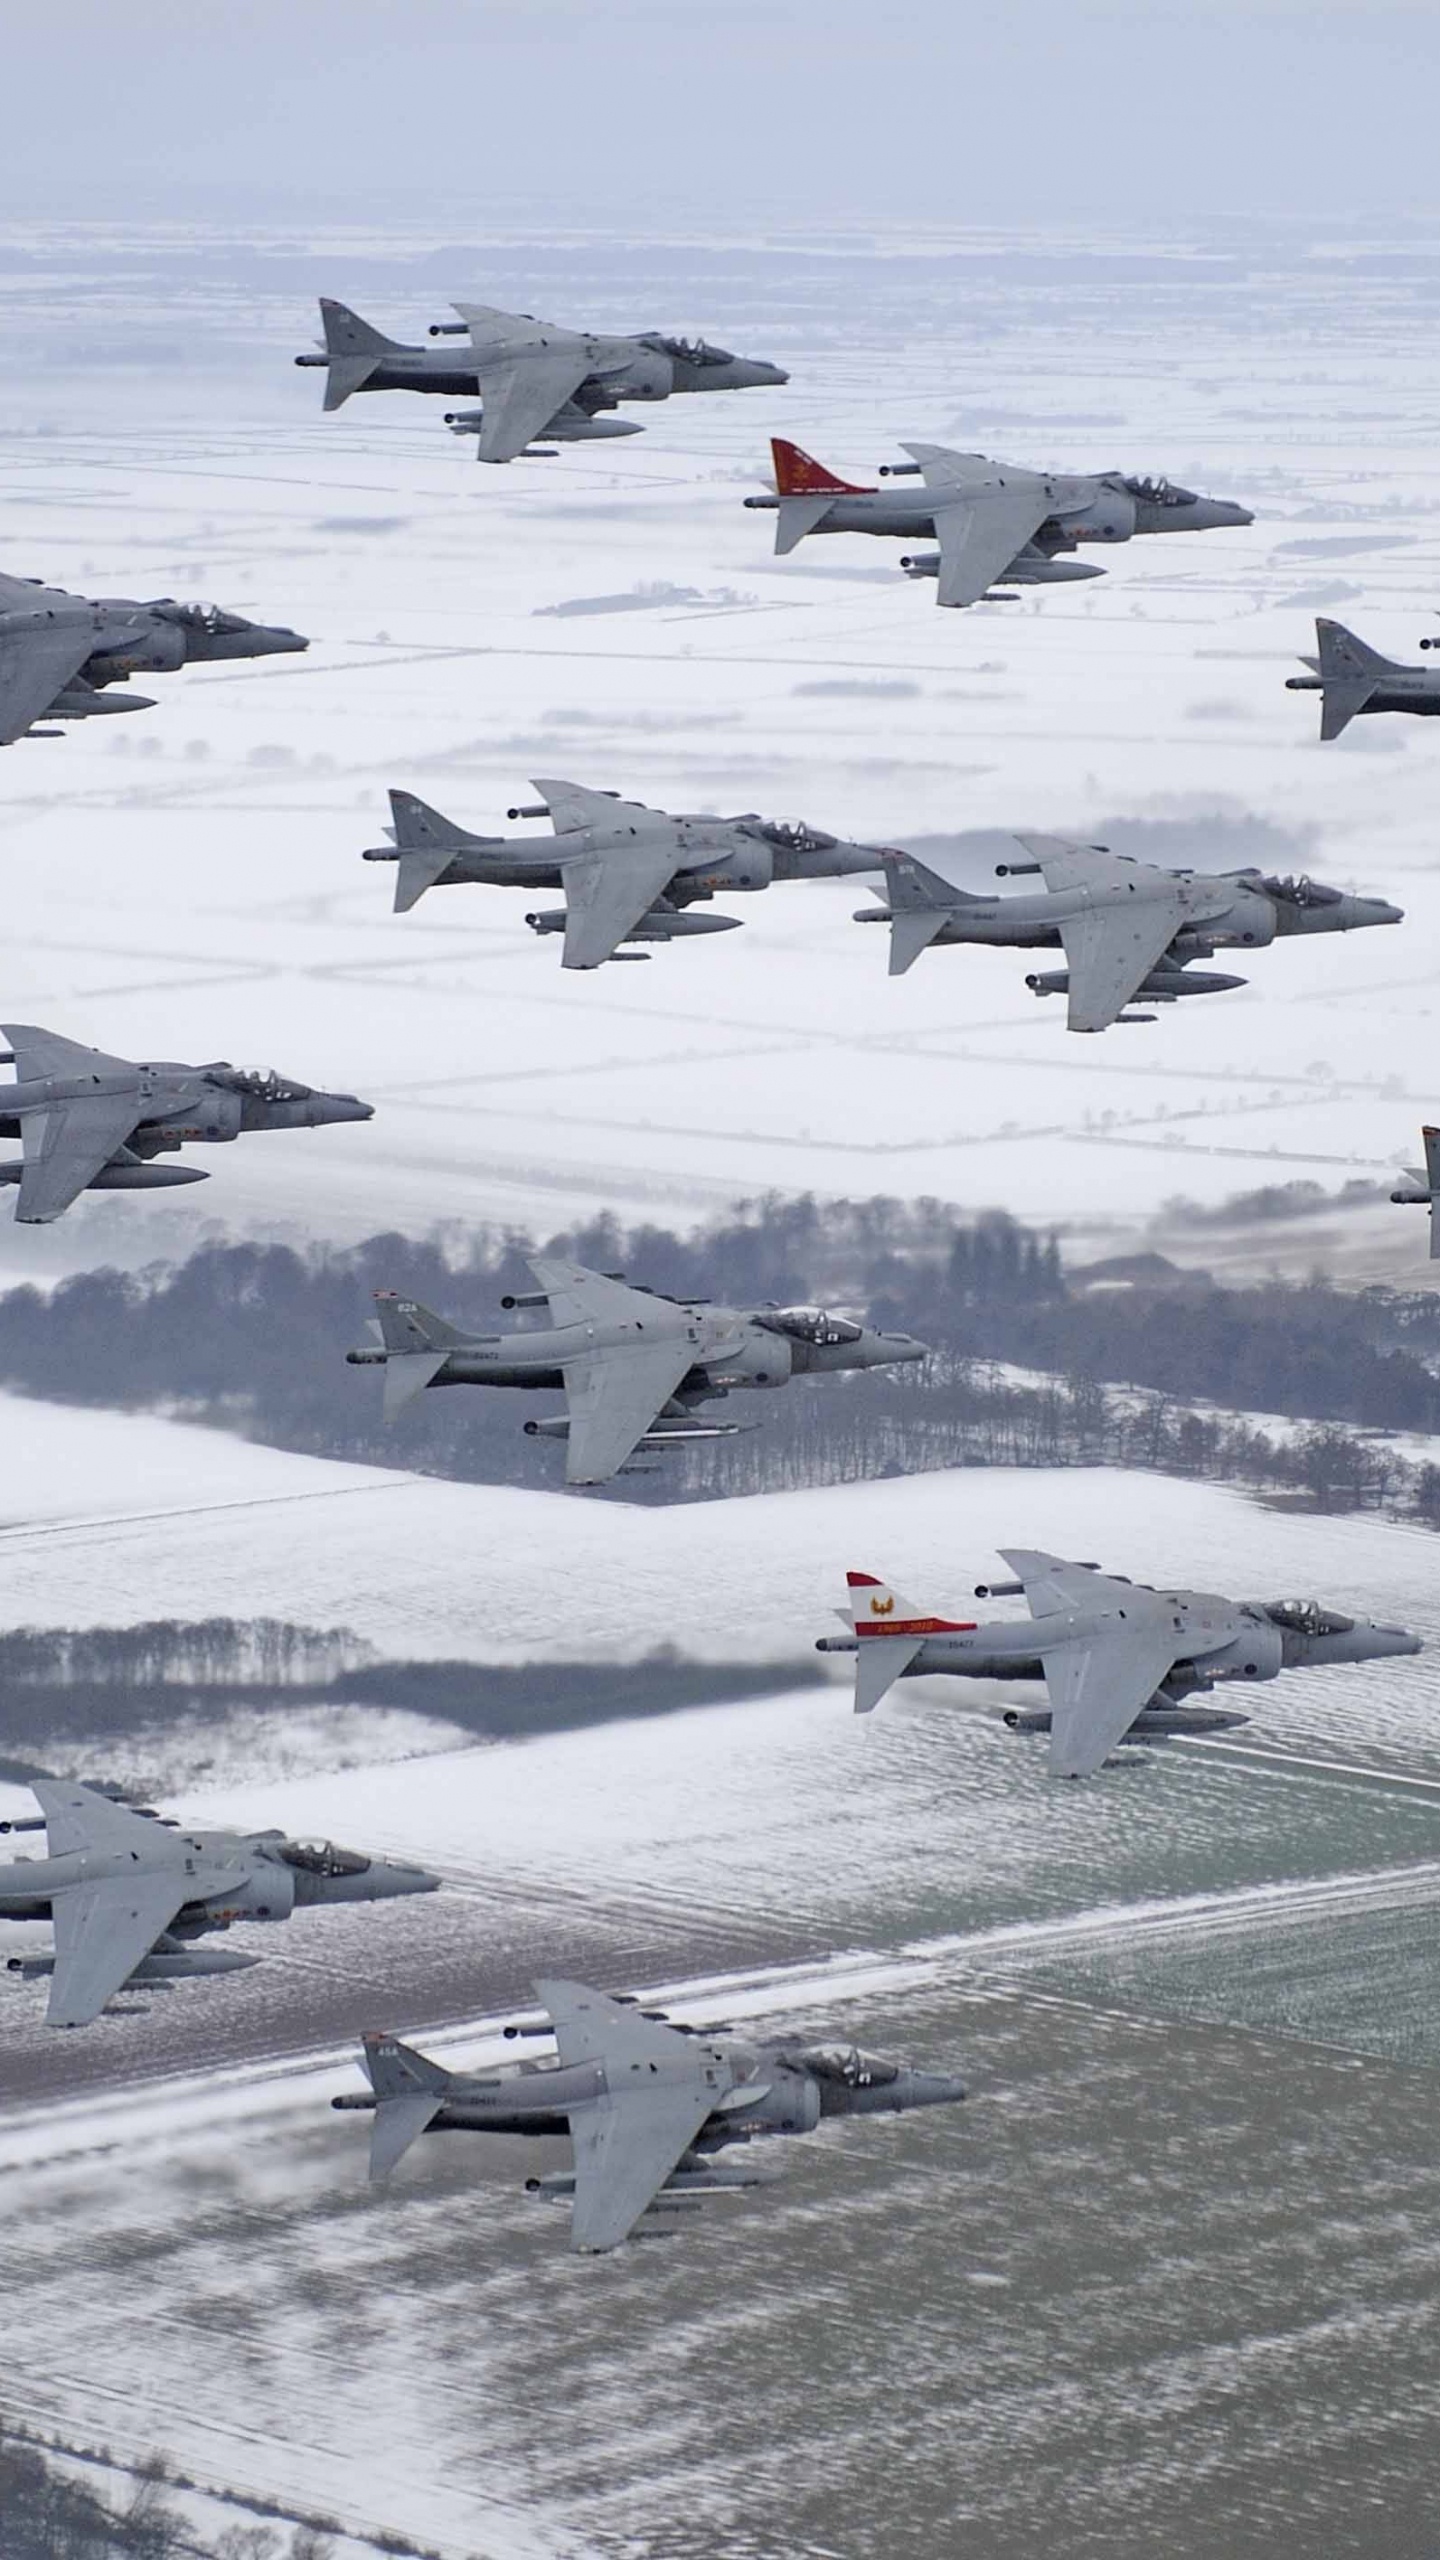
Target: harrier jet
{"type": "Point", "coordinates": [1118, 1659]}
{"type": "Point", "coordinates": [634, 1365]}
{"type": "Point", "coordinates": [88, 1122]}
{"type": "Point", "coordinates": [995, 524]}
{"type": "Point", "coordinates": [59, 653]}
{"type": "Point", "coordinates": [1351, 677]}
{"type": "Point", "coordinates": [531, 378]}
{"type": "Point", "coordinates": [1420, 1187]}
{"type": "Point", "coordinates": [649, 2106]}
{"type": "Point", "coordinates": [629, 874]}
{"type": "Point", "coordinates": [1129, 930]}
{"type": "Point", "coordinates": [127, 1893]}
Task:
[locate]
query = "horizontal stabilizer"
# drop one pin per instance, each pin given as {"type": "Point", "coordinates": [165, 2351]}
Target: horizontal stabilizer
{"type": "Point", "coordinates": [795, 517]}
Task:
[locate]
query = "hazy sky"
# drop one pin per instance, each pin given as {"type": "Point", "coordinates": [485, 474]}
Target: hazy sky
{"type": "Point", "coordinates": [1149, 111]}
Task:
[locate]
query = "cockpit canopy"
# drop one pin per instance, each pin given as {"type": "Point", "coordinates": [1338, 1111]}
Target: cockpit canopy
{"type": "Point", "coordinates": [1160, 493]}
{"type": "Point", "coordinates": [811, 1324]}
{"type": "Point", "coordinates": [689, 350]}
{"type": "Point", "coordinates": [847, 2064]}
{"type": "Point", "coordinates": [792, 839]}
{"type": "Point", "coordinates": [322, 1858]}
{"type": "Point", "coordinates": [1307, 1618]}
{"type": "Point", "coordinates": [200, 617]}
{"type": "Point", "coordinates": [1301, 891]}
{"type": "Point", "coordinates": [262, 1083]}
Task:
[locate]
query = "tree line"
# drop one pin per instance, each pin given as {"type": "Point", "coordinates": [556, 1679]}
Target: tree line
{"type": "Point", "coordinates": [252, 1337]}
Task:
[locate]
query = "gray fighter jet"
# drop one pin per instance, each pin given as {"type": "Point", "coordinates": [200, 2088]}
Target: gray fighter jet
{"type": "Point", "coordinates": [629, 874]}
{"type": "Point", "coordinates": [60, 654]}
{"type": "Point", "coordinates": [635, 1366]}
{"type": "Point", "coordinates": [649, 2106]}
{"type": "Point", "coordinates": [1118, 1658]}
{"type": "Point", "coordinates": [88, 1122]}
{"type": "Point", "coordinates": [996, 525]}
{"type": "Point", "coordinates": [1351, 677]}
{"type": "Point", "coordinates": [127, 1894]}
{"type": "Point", "coordinates": [532, 378]}
{"type": "Point", "coordinates": [1129, 930]}
{"type": "Point", "coordinates": [1419, 1187]}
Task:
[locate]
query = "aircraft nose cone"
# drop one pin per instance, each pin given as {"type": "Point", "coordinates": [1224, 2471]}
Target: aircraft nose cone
{"type": "Point", "coordinates": [753, 375]}
{"type": "Point", "coordinates": [399, 1878]}
{"type": "Point", "coordinates": [903, 1346]}
{"type": "Point", "coordinates": [343, 1106]}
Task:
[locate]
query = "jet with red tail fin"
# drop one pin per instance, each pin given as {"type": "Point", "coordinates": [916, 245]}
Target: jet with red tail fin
{"type": "Point", "coordinates": [994, 522]}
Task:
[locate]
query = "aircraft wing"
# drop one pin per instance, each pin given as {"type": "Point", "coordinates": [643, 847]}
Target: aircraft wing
{"type": "Point", "coordinates": [578, 1296]}
{"type": "Point", "coordinates": [1098, 1680]}
{"type": "Point", "coordinates": [520, 388]}
{"type": "Point", "coordinates": [63, 1148]}
{"type": "Point", "coordinates": [101, 1933]}
{"type": "Point", "coordinates": [572, 807]}
{"type": "Point", "coordinates": [35, 665]}
{"type": "Point", "coordinates": [614, 1397]}
{"type": "Point", "coordinates": [660, 2087]}
{"type": "Point", "coordinates": [985, 512]}
{"type": "Point", "coordinates": [1099, 1684]}
{"type": "Point", "coordinates": [1111, 945]}
{"type": "Point", "coordinates": [979, 538]}
{"type": "Point", "coordinates": [77, 1818]}
{"type": "Point", "coordinates": [607, 893]}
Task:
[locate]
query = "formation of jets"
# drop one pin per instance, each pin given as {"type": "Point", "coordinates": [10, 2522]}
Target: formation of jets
{"type": "Point", "coordinates": [660, 2116]}
{"type": "Point", "coordinates": [1118, 1658]}
{"type": "Point", "coordinates": [61, 655]}
{"type": "Point", "coordinates": [635, 1366]}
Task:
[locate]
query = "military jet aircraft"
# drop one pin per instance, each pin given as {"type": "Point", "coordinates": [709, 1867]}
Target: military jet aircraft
{"type": "Point", "coordinates": [1129, 930]}
{"type": "Point", "coordinates": [88, 1122]}
{"type": "Point", "coordinates": [532, 378]}
{"type": "Point", "coordinates": [648, 2105]}
{"type": "Point", "coordinates": [1419, 1187]}
{"type": "Point", "coordinates": [60, 654]}
{"type": "Point", "coordinates": [1351, 677]}
{"type": "Point", "coordinates": [634, 1364]}
{"type": "Point", "coordinates": [995, 524]}
{"type": "Point", "coordinates": [128, 1892]}
{"type": "Point", "coordinates": [1118, 1658]}
{"type": "Point", "coordinates": [629, 874]}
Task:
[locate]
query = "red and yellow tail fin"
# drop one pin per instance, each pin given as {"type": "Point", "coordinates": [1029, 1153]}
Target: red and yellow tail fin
{"type": "Point", "coordinates": [799, 475]}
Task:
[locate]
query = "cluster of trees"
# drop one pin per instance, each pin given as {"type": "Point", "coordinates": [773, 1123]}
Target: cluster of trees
{"type": "Point", "coordinates": [82, 1685]}
{"type": "Point", "coordinates": [252, 1336]}
{"type": "Point", "coordinates": [46, 2513]}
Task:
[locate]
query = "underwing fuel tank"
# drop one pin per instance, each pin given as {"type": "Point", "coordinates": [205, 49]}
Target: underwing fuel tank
{"type": "Point", "coordinates": [656, 927]}
{"type": "Point", "coordinates": [183, 1964]}
{"type": "Point", "coordinates": [578, 430]}
{"type": "Point", "coordinates": [127, 1177]}
{"type": "Point", "coordinates": [1163, 986]}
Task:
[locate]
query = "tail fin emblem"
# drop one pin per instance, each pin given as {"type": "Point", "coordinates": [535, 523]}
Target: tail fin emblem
{"type": "Point", "coordinates": [882, 1608]}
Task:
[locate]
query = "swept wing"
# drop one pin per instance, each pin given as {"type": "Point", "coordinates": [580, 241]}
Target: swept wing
{"type": "Point", "coordinates": [1100, 1675]}
{"type": "Point", "coordinates": [101, 1933]}
{"type": "Point", "coordinates": [659, 2089]}
{"type": "Point", "coordinates": [35, 665]}
{"type": "Point", "coordinates": [103, 1929]}
{"type": "Point", "coordinates": [614, 1397]}
{"type": "Point", "coordinates": [985, 512]}
{"type": "Point", "coordinates": [526, 370]}
{"type": "Point", "coordinates": [1124, 916]}
{"type": "Point", "coordinates": [609, 887]}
